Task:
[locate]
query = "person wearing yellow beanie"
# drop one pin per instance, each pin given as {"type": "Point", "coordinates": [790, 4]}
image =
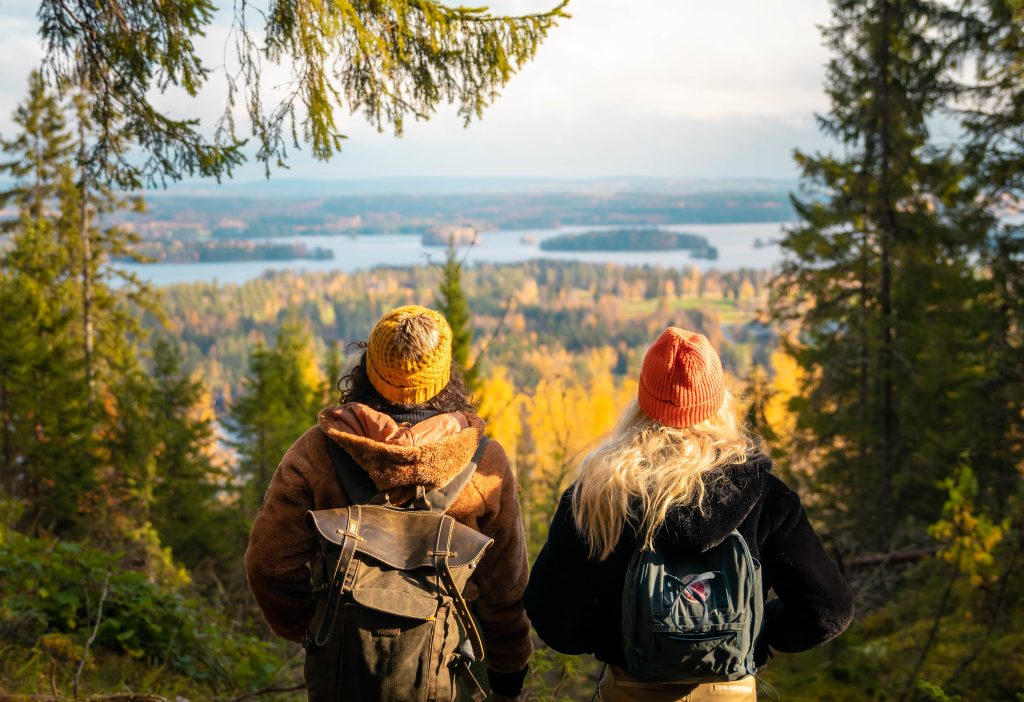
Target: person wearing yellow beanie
{"type": "Point", "coordinates": [405, 418]}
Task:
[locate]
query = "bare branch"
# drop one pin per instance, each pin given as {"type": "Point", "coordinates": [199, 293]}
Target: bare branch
{"type": "Point", "coordinates": [92, 636]}
{"type": "Point", "coordinates": [269, 690]}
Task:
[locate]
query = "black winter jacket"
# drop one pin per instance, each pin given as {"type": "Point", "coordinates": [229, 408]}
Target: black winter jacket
{"type": "Point", "coordinates": [575, 602]}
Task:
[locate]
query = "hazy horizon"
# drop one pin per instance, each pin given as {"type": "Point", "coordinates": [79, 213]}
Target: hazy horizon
{"type": "Point", "coordinates": [299, 186]}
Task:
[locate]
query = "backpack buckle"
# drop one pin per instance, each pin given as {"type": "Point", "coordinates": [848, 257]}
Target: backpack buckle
{"type": "Point", "coordinates": [460, 664]}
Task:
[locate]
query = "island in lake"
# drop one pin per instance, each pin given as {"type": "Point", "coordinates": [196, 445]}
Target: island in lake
{"type": "Point", "coordinates": [632, 240]}
{"type": "Point", "coordinates": [448, 235]}
{"type": "Point", "coordinates": [222, 250]}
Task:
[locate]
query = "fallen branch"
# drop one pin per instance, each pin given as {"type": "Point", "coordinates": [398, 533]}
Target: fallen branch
{"type": "Point", "coordinates": [907, 556]}
{"type": "Point", "coordinates": [269, 691]}
{"type": "Point", "coordinates": [120, 697]}
{"type": "Point", "coordinates": [92, 636]}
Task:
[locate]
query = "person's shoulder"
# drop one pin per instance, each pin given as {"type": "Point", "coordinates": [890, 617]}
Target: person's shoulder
{"type": "Point", "coordinates": [776, 488]}
{"type": "Point", "coordinates": [781, 502]}
{"type": "Point", "coordinates": [493, 469]}
{"type": "Point", "coordinates": [564, 512]}
{"type": "Point", "coordinates": [749, 481]}
{"type": "Point", "coordinates": [313, 441]}
{"type": "Point", "coordinates": [758, 474]}
{"type": "Point", "coordinates": [493, 459]}
{"type": "Point", "coordinates": [759, 479]}
{"type": "Point", "coordinates": [307, 457]}
{"type": "Point", "coordinates": [492, 478]}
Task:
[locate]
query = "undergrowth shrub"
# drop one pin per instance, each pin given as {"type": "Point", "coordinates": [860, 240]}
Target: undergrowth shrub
{"type": "Point", "coordinates": [49, 598]}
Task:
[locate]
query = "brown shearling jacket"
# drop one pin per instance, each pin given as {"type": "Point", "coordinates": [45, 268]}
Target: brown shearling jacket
{"type": "Point", "coordinates": [398, 457]}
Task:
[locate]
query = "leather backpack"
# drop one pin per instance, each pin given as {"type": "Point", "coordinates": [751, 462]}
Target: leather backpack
{"type": "Point", "coordinates": [391, 622]}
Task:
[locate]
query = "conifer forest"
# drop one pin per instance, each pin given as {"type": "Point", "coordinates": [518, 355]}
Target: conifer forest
{"type": "Point", "coordinates": [882, 360]}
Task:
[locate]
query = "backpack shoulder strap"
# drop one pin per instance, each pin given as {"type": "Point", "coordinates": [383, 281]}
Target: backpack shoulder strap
{"type": "Point", "coordinates": [440, 499]}
{"type": "Point", "coordinates": [357, 483]}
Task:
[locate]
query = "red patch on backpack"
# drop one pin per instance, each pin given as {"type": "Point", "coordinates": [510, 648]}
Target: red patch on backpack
{"type": "Point", "coordinates": [700, 589]}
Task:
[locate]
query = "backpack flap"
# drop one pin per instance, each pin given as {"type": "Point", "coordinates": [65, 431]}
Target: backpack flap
{"type": "Point", "coordinates": [398, 538]}
{"type": "Point", "coordinates": [331, 524]}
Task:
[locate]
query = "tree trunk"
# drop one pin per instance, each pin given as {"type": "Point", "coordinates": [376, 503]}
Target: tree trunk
{"type": "Point", "coordinates": [6, 425]}
{"type": "Point", "coordinates": [87, 263]}
{"type": "Point", "coordinates": [887, 235]}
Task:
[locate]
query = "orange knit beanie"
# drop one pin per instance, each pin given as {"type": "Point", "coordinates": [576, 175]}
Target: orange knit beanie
{"type": "Point", "coordinates": [681, 381]}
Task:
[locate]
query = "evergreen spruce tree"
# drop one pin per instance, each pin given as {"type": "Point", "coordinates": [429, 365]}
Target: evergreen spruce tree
{"type": "Point", "coordinates": [333, 370]}
{"type": "Point", "coordinates": [78, 444]}
{"type": "Point", "coordinates": [994, 120]}
{"type": "Point", "coordinates": [880, 272]}
{"type": "Point", "coordinates": [280, 399]}
{"type": "Point", "coordinates": [86, 201]}
{"type": "Point", "coordinates": [39, 155]}
{"type": "Point", "coordinates": [192, 494]}
{"type": "Point", "coordinates": [109, 301]}
{"type": "Point", "coordinates": [451, 301]}
{"type": "Point", "coordinates": [43, 399]}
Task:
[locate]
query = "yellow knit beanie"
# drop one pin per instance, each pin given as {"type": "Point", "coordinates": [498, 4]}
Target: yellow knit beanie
{"type": "Point", "coordinates": [409, 354]}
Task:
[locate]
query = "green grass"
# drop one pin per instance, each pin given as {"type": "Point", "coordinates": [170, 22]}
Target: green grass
{"type": "Point", "coordinates": [730, 311]}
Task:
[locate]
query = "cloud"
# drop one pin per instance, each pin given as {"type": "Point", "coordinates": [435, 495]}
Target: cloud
{"type": "Point", "coordinates": [20, 52]}
{"type": "Point", "coordinates": [648, 87]}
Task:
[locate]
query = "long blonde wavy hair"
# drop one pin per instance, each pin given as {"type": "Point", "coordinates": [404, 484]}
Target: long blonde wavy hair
{"type": "Point", "coordinates": [646, 468]}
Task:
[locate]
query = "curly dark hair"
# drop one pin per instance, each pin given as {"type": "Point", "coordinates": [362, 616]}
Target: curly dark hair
{"type": "Point", "coordinates": [355, 386]}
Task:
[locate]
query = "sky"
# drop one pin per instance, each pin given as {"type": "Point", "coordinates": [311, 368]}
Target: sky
{"type": "Point", "coordinates": [655, 88]}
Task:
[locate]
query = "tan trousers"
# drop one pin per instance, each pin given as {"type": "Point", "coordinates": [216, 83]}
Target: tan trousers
{"type": "Point", "coordinates": [616, 686]}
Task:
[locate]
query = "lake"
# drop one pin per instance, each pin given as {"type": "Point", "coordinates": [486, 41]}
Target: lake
{"type": "Point", "coordinates": [736, 244]}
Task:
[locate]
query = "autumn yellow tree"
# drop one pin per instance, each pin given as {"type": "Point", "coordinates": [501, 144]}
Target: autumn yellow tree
{"type": "Point", "coordinates": [786, 383]}
{"type": "Point", "coordinates": [499, 406]}
{"type": "Point", "coordinates": [575, 403]}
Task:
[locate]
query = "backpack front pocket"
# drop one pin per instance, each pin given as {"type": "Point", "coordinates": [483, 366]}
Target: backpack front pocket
{"type": "Point", "coordinates": [370, 665]}
{"type": "Point", "coordinates": [695, 657]}
{"type": "Point", "coordinates": [693, 601]}
{"type": "Point", "coordinates": [393, 647]}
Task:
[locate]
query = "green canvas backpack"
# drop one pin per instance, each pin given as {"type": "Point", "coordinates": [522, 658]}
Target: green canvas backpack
{"type": "Point", "coordinates": [692, 617]}
{"type": "Point", "coordinates": [389, 597]}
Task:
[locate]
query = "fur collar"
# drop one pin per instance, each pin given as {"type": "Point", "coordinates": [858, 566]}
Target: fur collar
{"type": "Point", "coordinates": [731, 495]}
{"type": "Point", "coordinates": [429, 453]}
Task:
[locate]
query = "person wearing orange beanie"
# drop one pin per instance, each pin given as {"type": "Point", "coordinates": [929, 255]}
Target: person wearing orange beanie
{"type": "Point", "coordinates": [680, 475]}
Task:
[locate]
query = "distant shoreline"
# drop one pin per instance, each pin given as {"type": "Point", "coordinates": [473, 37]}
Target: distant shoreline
{"type": "Point", "coordinates": [735, 244]}
{"type": "Point", "coordinates": [174, 252]}
{"type": "Point", "coordinates": [277, 217]}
